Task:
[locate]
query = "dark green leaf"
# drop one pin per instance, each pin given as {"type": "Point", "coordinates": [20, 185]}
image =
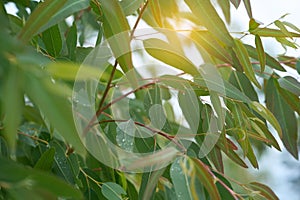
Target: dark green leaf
{"type": "Point", "coordinates": [52, 40]}
{"type": "Point", "coordinates": [284, 114]}
{"type": "Point", "coordinates": [112, 191]}
{"type": "Point", "coordinates": [46, 160]}
{"type": "Point", "coordinates": [71, 41]}
{"type": "Point", "coordinates": [291, 84]}
{"type": "Point", "coordinates": [260, 52]}
{"type": "Point", "coordinates": [13, 173]}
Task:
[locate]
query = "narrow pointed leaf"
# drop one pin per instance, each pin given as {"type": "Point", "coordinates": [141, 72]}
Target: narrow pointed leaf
{"type": "Point", "coordinates": [236, 3]}
{"type": "Point", "coordinates": [270, 61]}
{"type": "Point", "coordinates": [206, 13]}
{"type": "Point", "coordinates": [130, 6]}
{"type": "Point", "coordinates": [52, 40]}
{"type": "Point", "coordinates": [243, 56]}
{"type": "Point", "coordinates": [156, 11]}
{"type": "Point", "coordinates": [248, 8]}
{"type": "Point", "coordinates": [260, 52]}
{"type": "Point", "coordinates": [225, 6]}
{"type": "Point", "coordinates": [283, 29]}
{"type": "Point", "coordinates": [166, 53]}
{"type": "Point", "coordinates": [46, 160]}
{"type": "Point", "coordinates": [284, 114]}
{"type": "Point", "coordinates": [291, 84]}
{"type": "Point", "coordinates": [268, 32]}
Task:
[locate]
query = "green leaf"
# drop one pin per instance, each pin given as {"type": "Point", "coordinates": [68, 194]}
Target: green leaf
{"type": "Point", "coordinates": [265, 113]}
{"type": "Point", "coordinates": [291, 84]}
{"type": "Point", "coordinates": [253, 24]}
{"type": "Point", "coordinates": [248, 8]}
{"type": "Point", "coordinates": [284, 114]}
{"type": "Point", "coordinates": [112, 191]}
{"type": "Point", "coordinates": [211, 45]}
{"type": "Point", "coordinates": [12, 104]}
{"type": "Point", "coordinates": [130, 6]}
{"type": "Point", "coordinates": [270, 61]}
{"type": "Point", "coordinates": [70, 7]}
{"type": "Point", "coordinates": [241, 82]}
{"type": "Point", "coordinates": [39, 17]}
{"type": "Point", "coordinates": [46, 160]}
{"type": "Point", "coordinates": [149, 184]}
{"type": "Point", "coordinates": [268, 32]}
{"type": "Point", "coordinates": [71, 41]}
{"type": "Point", "coordinates": [52, 40]}
{"type": "Point", "coordinates": [72, 71]}
{"type": "Point", "coordinates": [242, 55]}
{"type": "Point", "coordinates": [283, 29]}
{"type": "Point", "coordinates": [202, 172]}
{"type": "Point", "coordinates": [13, 173]}
{"type": "Point", "coordinates": [292, 26]}
{"type": "Point", "coordinates": [236, 3]}
{"type": "Point", "coordinates": [181, 173]}
{"type": "Point", "coordinates": [53, 103]}
{"type": "Point", "coordinates": [225, 6]}
{"type": "Point", "coordinates": [264, 190]}
{"type": "Point", "coordinates": [156, 11]}
{"type": "Point", "coordinates": [166, 53]}
{"type": "Point", "coordinates": [66, 166]}
{"type": "Point", "coordinates": [298, 66]}
{"type": "Point", "coordinates": [116, 30]}
{"type": "Point", "coordinates": [286, 43]}
{"type": "Point", "coordinates": [292, 99]}
{"type": "Point", "coordinates": [260, 52]}
{"type": "Point", "coordinates": [206, 13]}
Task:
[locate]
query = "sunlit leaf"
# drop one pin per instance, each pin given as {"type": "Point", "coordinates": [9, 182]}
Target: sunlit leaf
{"type": "Point", "coordinates": [284, 114]}
{"type": "Point", "coordinates": [40, 17]}
{"type": "Point", "coordinates": [112, 191]}
{"type": "Point", "coordinates": [292, 26]}
{"type": "Point", "coordinates": [268, 32]}
{"type": "Point", "coordinates": [166, 53]}
{"type": "Point", "coordinates": [283, 29]}
{"type": "Point", "coordinates": [253, 24]}
{"type": "Point", "coordinates": [225, 6]}
{"type": "Point", "coordinates": [207, 41]}
{"type": "Point", "coordinates": [154, 6]}
{"type": "Point", "coordinates": [260, 52]}
{"type": "Point", "coordinates": [264, 190]}
{"type": "Point", "coordinates": [209, 17]}
{"type": "Point", "coordinates": [242, 54]}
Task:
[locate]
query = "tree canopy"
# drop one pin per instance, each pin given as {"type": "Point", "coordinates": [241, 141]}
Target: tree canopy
{"type": "Point", "coordinates": [141, 99]}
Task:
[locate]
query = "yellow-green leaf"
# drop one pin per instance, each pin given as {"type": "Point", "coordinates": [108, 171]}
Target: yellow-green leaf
{"type": "Point", "coordinates": [268, 32]}
{"type": "Point", "coordinates": [243, 57]}
{"type": "Point", "coordinates": [206, 13]}
{"type": "Point", "coordinates": [283, 29]}
{"type": "Point", "coordinates": [264, 190]}
{"type": "Point", "coordinates": [156, 11]}
{"type": "Point", "coordinates": [166, 53]}
{"type": "Point", "coordinates": [248, 7]}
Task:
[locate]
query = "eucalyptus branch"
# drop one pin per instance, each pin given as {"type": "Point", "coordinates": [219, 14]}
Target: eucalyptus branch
{"type": "Point", "coordinates": [33, 137]}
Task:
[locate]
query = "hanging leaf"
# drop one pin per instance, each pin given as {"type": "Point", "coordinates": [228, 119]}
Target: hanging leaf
{"type": "Point", "coordinates": [291, 84]}
{"type": "Point", "coordinates": [248, 8]}
{"type": "Point", "coordinates": [206, 13]}
{"type": "Point", "coordinates": [149, 183]}
{"type": "Point", "coordinates": [225, 6]}
{"type": "Point", "coordinates": [155, 8]}
{"type": "Point", "coordinates": [236, 3]}
{"type": "Point", "coordinates": [260, 52]}
{"type": "Point", "coordinates": [71, 40]}
{"type": "Point", "coordinates": [283, 29]}
{"type": "Point", "coordinates": [242, 55]}
{"type": "Point", "coordinates": [284, 114]}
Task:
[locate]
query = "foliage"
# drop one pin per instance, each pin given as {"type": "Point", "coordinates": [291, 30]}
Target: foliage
{"type": "Point", "coordinates": [56, 84]}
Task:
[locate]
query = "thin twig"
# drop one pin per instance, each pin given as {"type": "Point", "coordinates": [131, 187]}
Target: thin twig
{"type": "Point", "coordinates": [34, 138]}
